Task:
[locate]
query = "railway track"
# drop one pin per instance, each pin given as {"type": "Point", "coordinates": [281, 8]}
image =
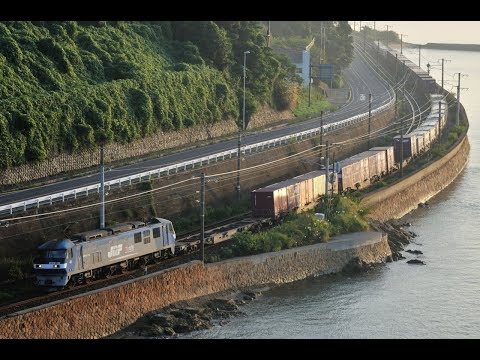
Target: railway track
{"type": "Point", "coordinates": [187, 248]}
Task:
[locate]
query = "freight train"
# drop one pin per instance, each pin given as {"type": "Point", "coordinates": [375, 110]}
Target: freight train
{"type": "Point", "coordinates": [356, 172]}
{"type": "Point", "coordinates": [102, 252]}
{"type": "Point", "coordinates": [416, 77]}
{"type": "Point", "coordinates": [426, 134]}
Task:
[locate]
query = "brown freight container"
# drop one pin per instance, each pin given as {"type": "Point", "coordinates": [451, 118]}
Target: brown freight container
{"type": "Point", "coordinates": [426, 137]}
{"type": "Point", "coordinates": [431, 129]}
{"type": "Point", "coordinates": [293, 194]}
{"type": "Point", "coordinates": [272, 200]}
{"type": "Point", "coordinates": [389, 156]}
{"type": "Point", "coordinates": [285, 196]}
{"type": "Point", "coordinates": [316, 183]}
{"type": "Point", "coordinates": [364, 160]}
{"type": "Point", "coordinates": [377, 164]}
{"type": "Point", "coordinates": [302, 193]}
{"type": "Point", "coordinates": [420, 141]}
{"type": "Point", "coordinates": [349, 175]}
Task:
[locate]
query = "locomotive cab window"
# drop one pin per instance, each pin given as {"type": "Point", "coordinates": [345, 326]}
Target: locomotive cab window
{"type": "Point", "coordinates": [156, 232]}
{"type": "Point", "coordinates": [137, 237]}
{"type": "Point", "coordinates": [146, 236]}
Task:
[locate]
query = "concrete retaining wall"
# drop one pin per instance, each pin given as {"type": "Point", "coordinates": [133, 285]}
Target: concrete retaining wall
{"type": "Point", "coordinates": [106, 311]}
{"type": "Point", "coordinates": [84, 159]}
{"type": "Point", "coordinates": [404, 196]}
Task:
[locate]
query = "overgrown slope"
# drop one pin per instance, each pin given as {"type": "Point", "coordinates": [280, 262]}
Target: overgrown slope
{"type": "Point", "coordinates": [70, 85]}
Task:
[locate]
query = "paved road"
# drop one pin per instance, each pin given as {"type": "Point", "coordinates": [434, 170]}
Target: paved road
{"type": "Point", "coordinates": [362, 80]}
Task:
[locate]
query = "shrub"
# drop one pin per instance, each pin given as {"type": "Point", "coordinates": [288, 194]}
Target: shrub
{"type": "Point", "coordinates": [285, 96]}
{"type": "Point", "coordinates": [10, 49]}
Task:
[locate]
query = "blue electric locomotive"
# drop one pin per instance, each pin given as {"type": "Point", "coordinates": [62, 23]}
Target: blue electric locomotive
{"type": "Point", "coordinates": [102, 252]}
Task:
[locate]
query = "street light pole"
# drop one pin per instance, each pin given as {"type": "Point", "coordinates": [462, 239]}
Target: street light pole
{"type": "Point", "coordinates": [243, 124]}
{"type": "Point", "coordinates": [419, 54]}
{"type": "Point", "coordinates": [387, 36]}
{"type": "Point", "coordinates": [443, 60]}
{"type": "Point", "coordinates": [202, 216]}
{"type": "Point", "coordinates": [309, 83]}
{"type": "Point", "coordinates": [102, 187]}
{"type": "Point", "coordinates": [458, 100]}
{"type": "Point", "coordinates": [401, 43]}
{"type": "Point", "coordinates": [369, 117]}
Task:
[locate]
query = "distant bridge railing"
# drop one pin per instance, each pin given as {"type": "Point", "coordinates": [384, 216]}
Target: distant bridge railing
{"type": "Point", "coordinates": [186, 165]}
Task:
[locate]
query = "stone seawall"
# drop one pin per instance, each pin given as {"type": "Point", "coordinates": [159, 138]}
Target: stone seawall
{"type": "Point", "coordinates": [404, 196]}
{"type": "Point", "coordinates": [104, 312]}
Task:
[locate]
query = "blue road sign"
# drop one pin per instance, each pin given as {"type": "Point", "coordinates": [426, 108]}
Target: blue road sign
{"type": "Point", "coordinates": [326, 72]}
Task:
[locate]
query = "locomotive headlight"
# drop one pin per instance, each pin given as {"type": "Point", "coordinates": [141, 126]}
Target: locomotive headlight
{"type": "Point", "coordinates": [56, 266]}
{"type": "Point", "coordinates": [38, 265]}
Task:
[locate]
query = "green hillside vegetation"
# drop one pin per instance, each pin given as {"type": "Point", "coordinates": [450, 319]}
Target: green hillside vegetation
{"type": "Point", "coordinates": [346, 216]}
{"type": "Point", "coordinates": [338, 46]}
{"type": "Point", "coordinates": [67, 85]}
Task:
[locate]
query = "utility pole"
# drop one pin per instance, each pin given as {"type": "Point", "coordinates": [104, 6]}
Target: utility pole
{"type": "Point", "coordinates": [396, 72]}
{"type": "Point", "coordinates": [242, 127]}
{"type": "Point", "coordinates": [324, 44]}
{"type": "Point", "coordinates": [440, 118]}
{"type": "Point", "coordinates": [387, 36]}
{"type": "Point", "coordinates": [239, 154]}
{"type": "Point", "coordinates": [102, 187]}
{"type": "Point", "coordinates": [202, 216]}
{"type": "Point", "coordinates": [326, 179]}
{"type": "Point", "coordinates": [333, 173]}
{"type": "Point", "coordinates": [369, 117]}
{"type": "Point", "coordinates": [354, 26]}
{"type": "Point", "coordinates": [268, 34]}
{"type": "Point", "coordinates": [443, 60]}
{"type": "Point", "coordinates": [364, 37]}
{"type": "Point", "coordinates": [378, 51]}
{"type": "Point", "coordinates": [321, 40]}
{"type": "Point", "coordinates": [419, 52]}
{"type": "Point", "coordinates": [458, 100]}
{"type": "Point", "coordinates": [401, 139]}
{"type": "Point", "coordinates": [309, 82]}
{"type": "Point", "coordinates": [321, 139]}
{"type": "Point", "coordinates": [401, 43]}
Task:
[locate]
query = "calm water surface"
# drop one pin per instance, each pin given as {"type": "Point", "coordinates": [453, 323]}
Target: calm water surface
{"type": "Point", "coordinates": [397, 300]}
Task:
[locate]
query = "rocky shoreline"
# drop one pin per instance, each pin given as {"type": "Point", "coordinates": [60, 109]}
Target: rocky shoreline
{"type": "Point", "coordinates": [398, 238]}
{"type": "Point", "coordinates": [191, 315]}
{"type": "Point", "coordinates": [216, 309]}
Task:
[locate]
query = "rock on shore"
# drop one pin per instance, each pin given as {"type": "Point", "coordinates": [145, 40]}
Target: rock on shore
{"type": "Point", "coordinates": [398, 237]}
{"type": "Point", "coordinates": [186, 316]}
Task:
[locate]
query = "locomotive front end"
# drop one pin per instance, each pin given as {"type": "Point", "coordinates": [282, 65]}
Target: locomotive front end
{"type": "Point", "coordinates": [53, 262]}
